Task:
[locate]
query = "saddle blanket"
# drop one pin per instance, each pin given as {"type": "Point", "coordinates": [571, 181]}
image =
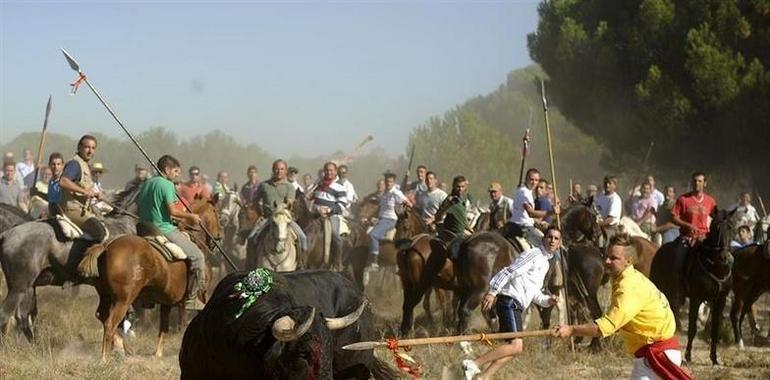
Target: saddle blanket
{"type": "Point", "coordinates": [170, 251]}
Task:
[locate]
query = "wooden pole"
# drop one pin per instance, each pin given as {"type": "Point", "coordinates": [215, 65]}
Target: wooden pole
{"type": "Point", "coordinates": [447, 339]}
{"type": "Point", "coordinates": [550, 151]}
{"type": "Point", "coordinates": [556, 202]}
{"type": "Point", "coordinates": [761, 204]}
{"type": "Point", "coordinates": [524, 152]}
{"type": "Point", "coordinates": [41, 145]}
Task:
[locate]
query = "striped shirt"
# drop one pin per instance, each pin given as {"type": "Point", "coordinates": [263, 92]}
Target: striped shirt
{"type": "Point", "coordinates": [332, 196]}
{"type": "Point", "coordinates": [523, 280]}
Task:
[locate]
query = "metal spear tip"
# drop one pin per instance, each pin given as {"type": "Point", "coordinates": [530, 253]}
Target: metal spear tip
{"type": "Point", "coordinates": [48, 107]}
{"type": "Point", "coordinates": [361, 346]}
{"type": "Point", "coordinates": [73, 63]}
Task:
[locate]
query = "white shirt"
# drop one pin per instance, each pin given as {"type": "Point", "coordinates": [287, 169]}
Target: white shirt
{"type": "Point", "coordinates": [519, 215]}
{"type": "Point", "coordinates": [297, 186]}
{"type": "Point", "coordinates": [523, 280]}
{"type": "Point", "coordinates": [610, 206]}
{"type": "Point", "coordinates": [430, 201]}
{"type": "Point", "coordinates": [388, 202]}
{"type": "Point", "coordinates": [23, 170]}
{"type": "Point", "coordinates": [658, 197]}
{"type": "Point", "coordinates": [745, 215]}
{"type": "Point", "coordinates": [349, 190]}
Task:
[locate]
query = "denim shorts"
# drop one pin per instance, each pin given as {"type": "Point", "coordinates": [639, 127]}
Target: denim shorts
{"type": "Point", "coordinates": [508, 313]}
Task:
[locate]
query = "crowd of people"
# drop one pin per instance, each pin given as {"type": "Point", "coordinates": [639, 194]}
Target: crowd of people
{"type": "Point", "coordinates": [74, 189]}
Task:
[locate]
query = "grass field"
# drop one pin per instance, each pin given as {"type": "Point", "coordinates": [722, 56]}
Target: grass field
{"type": "Point", "coordinates": [69, 340]}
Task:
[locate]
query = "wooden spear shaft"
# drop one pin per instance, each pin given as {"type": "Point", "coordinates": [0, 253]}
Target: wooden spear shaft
{"type": "Point", "coordinates": [360, 346]}
{"type": "Point", "coordinates": [550, 151]}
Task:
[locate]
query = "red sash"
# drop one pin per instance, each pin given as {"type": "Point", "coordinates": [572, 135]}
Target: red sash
{"type": "Point", "coordinates": [659, 362]}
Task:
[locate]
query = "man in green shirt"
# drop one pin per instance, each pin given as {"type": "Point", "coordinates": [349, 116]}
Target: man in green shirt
{"type": "Point", "coordinates": [453, 211]}
{"type": "Point", "coordinates": [156, 201]}
{"type": "Point", "coordinates": [274, 192]}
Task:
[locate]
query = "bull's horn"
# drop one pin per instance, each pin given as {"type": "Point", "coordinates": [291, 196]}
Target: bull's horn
{"type": "Point", "coordinates": [342, 322]}
{"type": "Point", "coordinates": [285, 329]}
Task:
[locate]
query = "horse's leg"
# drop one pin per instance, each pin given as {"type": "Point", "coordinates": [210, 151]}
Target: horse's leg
{"type": "Point", "coordinates": [24, 314]}
{"type": "Point", "coordinates": [412, 296]}
{"type": "Point", "coordinates": [427, 307]}
{"type": "Point", "coordinates": [692, 326]}
{"type": "Point", "coordinates": [117, 311]}
{"type": "Point", "coordinates": [165, 310]}
{"type": "Point", "coordinates": [468, 302]}
{"type": "Point", "coordinates": [716, 323]}
{"type": "Point", "coordinates": [735, 320]}
{"type": "Point", "coordinates": [10, 305]}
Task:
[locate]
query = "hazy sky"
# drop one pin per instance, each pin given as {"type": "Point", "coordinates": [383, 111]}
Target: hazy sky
{"type": "Point", "coordinates": [305, 77]}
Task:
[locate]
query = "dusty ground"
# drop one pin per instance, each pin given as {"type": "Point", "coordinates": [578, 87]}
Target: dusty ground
{"type": "Point", "coordinates": [69, 339]}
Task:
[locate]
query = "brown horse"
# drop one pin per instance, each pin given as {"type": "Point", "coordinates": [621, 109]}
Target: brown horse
{"type": "Point", "coordinates": [751, 278]}
{"type": "Point", "coordinates": [129, 269]}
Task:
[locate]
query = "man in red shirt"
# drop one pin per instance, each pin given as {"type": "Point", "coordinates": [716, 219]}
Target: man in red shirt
{"type": "Point", "coordinates": [692, 213]}
{"type": "Point", "coordinates": [195, 186]}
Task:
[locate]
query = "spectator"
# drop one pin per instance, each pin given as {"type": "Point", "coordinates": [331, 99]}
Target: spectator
{"type": "Point", "coordinates": [10, 187]}
{"type": "Point", "coordinates": [25, 170]}
{"type": "Point", "coordinates": [644, 209]}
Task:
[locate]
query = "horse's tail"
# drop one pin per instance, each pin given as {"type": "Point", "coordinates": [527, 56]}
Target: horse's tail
{"type": "Point", "coordinates": [89, 266]}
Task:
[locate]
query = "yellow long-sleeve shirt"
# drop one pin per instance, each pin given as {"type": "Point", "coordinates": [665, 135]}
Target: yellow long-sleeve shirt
{"type": "Point", "coordinates": [638, 310]}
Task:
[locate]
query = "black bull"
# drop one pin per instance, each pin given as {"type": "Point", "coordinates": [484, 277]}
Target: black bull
{"type": "Point", "coordinates": [216, 345]}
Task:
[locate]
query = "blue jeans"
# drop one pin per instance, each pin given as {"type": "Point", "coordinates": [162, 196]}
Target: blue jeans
{"type": "Point", "coordinates": [509, 314]}
{"type": "Point", "coordinates": [378, 232]}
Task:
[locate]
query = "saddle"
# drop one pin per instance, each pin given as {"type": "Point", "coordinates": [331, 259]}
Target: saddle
{"type": "Point", "coordinates": [168, 250]}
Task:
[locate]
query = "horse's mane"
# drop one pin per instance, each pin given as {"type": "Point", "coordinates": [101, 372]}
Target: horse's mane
{"type": "Point", "coordinates": [15, 211]}
{"type": "Point", "coordinates": [127, 197]}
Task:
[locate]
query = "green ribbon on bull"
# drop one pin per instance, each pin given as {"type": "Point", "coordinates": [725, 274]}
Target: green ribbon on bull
{"type": "Point", "coordinates": [256, 283]}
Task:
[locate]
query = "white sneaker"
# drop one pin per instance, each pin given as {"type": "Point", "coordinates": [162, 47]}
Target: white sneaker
{"type": "Point", "coordinates": [470, 368]}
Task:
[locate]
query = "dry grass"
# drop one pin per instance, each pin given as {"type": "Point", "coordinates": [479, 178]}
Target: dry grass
{"type": "Point", "coordinates": [69, 340]}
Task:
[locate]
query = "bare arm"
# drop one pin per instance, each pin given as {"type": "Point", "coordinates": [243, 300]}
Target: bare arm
{"type": "Point", "coordinates": [587, 329]}
{"type": "Point", "coordinates": [189, 218]}
{"type": "Point", "coordinates": [69, 185]}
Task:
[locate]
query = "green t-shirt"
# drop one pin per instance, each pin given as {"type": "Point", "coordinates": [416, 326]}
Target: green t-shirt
{"type": "Point", "coordinates": [272, 194]}
{"type": "Point", "coordinates": [153, 200]}
{"type": "Point", "coordinates": [455, 221]}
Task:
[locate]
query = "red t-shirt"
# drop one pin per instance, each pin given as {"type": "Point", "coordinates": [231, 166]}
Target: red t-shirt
{"type": "Point", "coordinates": [695, 211]}
{"type": "Point", "coordinates": [187, 191]}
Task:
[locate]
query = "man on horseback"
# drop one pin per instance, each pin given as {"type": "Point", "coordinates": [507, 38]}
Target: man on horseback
{"type": "Point", "coordinates": [249, 189]}
{"type": "Point", "coordinates": [195, 186]}
{"type": "Point", "coordinates": [156, 201]}
{"type": "Point", "coordinates": [511, 291]}
{"type": "Point", "coordinates": [499, 208]}
{"type": "Point", "coordinates": [350, 190]}
{"type": "Point", "coordinates": [331, 201]}
{"type": "Point", "coordinates": [430, 202]}
{"type": "Point", "coordinates": [452, 212]}
{"type": "Point", "coordinates": [610, 207]}
{"type": "Point", "coordinates": [275, 192]}
{"type": "Point", "coordinates": [387, 217]}
{"type": "Point", "coordinates": [640, 312]}
{"type": "Point", "coordinates": [523, 213]}
{"type": "Point", "coordinates": [77, 190]}
{"type": "Point", "coordinates": [692, 213]}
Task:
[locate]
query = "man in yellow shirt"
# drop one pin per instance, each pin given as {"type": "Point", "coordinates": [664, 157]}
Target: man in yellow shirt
{"type": "Point", "coordinates": [640, 313]}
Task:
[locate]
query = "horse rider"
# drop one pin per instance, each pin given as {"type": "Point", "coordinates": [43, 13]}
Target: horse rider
{"type": "Point", "coordinates": [610, 207]}
{"type": "Point", "coordinates": [196, 186]}
{"type": "Point", "coordinates": [77, 190]}
{"type": "Point", "coordinates": [249, 189]}
{"type": "Point", "coordinates": [221, 187]}
{"type": "Point", "coordinates": [640, 312]}
{"type": "Point", "coordinates": [692, 213]}
{"type": "Point", "coordinates": [387, 218]}
{"type": "Point", "coordinates": [342, 178]}
{"type": "Point", "coordinates": [330, 200]}
{"type": "Point", "coordinates": [292, 177]}
{"type": "Point", "coordinates": [275, 192]}
{"type": "Point", "coordinates": [745, 213]}
{"type": "Point", "coordinates": [431, 200]}
{"type": "Point", "coordinates": [156, 201]}
{"type": "Point", "coordinates": [499, 207]}
{"type": "Point", "coordinates": [453, 216]}
{"type": "Point", "coordinates": [511, 291]}
{"type": "Point", "coordinates": [523, 213]}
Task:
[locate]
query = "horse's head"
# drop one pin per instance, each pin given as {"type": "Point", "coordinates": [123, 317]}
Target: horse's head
{"type": "Point", "coordinates": [718, 239]}
{"type": "Point", "coordinates": [580, 222]}
{"type": "Point", "coordinates": [228, 205]}
{"type": "Point", "coordinates": [207, 212]}
{"type": "Point", "coordinates": [282, 218]}
{"type": "Point", "coordinates": [408, 224]}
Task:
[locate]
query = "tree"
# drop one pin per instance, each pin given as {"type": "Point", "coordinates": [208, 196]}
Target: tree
{"type": "Point", "coordinates": [690, 75]}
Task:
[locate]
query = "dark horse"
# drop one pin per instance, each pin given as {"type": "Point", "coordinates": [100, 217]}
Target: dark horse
{"type": "Point", "coordinates": [706, 277]}
{"type": "Point", "coordinates": [751, 278]}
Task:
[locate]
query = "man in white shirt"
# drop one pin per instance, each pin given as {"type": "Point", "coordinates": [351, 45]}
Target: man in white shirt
{"type": "Point", "coordinates": [523, 213]}
{"type": "Point", "coordinates": [431, 200]}
{"type": "Point", "coordinates": [656, 194]}
{"type": "Point", "coordinates": [387, 218]}
{"type": "Point", "coordinates": [342, 173]}
{"type": "Point", "coordinates": [610, 208]}
{"type": "Point", "coordinates": [25, 169]}
{"type": "Point", "coordinates": [745, 213]}
{"type": "Point", "coordinates": [511, 291]}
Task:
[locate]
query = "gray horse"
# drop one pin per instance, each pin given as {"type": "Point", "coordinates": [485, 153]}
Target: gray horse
{"type": "Point", "coordinates": [31, 255]}
{"type": "Point", "coordinates": [11, 216]}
